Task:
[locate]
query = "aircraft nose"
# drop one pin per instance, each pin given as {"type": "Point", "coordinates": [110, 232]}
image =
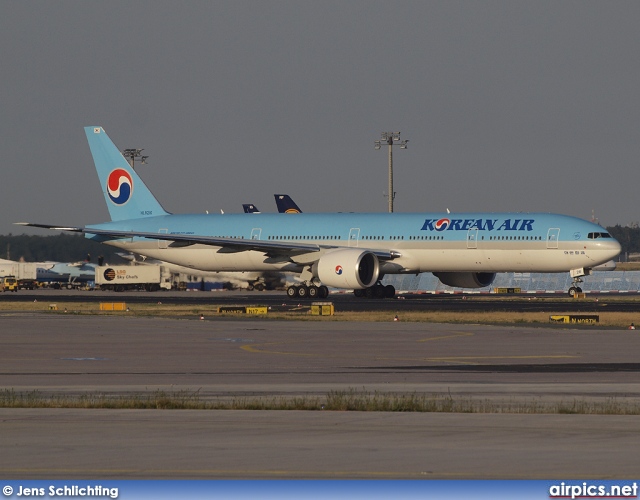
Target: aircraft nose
{"type": "Point", "coordinates": [613, 248]}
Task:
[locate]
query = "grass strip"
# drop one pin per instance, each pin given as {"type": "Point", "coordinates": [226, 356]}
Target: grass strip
{"type": "Point", "coordinates": [349, 400]}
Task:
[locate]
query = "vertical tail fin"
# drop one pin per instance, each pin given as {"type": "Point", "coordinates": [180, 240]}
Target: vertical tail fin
{"type": "Point", "coordinates": [286, 205]}
{"type": "Point", "coordinates": [127, 197]}
{"type": "Point", "coordinates": [250, 208]}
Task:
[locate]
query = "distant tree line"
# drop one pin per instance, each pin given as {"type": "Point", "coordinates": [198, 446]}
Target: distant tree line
{"type": "Point", "coordinates": [72, 247]}
{"type": "Point", "coordinates": [60, 248]}
{"type": "Point", "coordinates": [628, 236]}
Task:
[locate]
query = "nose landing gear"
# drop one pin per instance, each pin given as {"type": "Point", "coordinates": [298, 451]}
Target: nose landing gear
{"type": "Point", "coordinates": [573, 290]}
{"type": "Point", "coordinates": [577, 275]}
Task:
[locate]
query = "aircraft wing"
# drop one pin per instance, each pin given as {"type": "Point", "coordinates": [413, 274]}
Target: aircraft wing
{"type": "Point", "coordinates": [228, 245]}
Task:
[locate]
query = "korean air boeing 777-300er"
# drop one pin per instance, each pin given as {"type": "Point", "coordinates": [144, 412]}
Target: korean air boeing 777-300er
{"type": "Point", "coordinates": [341, 250]}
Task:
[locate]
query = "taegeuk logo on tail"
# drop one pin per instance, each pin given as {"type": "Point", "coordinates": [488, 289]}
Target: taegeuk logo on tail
{"type": "Point", "coordinates": [119, 186]}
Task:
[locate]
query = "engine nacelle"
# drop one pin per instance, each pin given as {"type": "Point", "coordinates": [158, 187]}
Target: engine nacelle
{"type": "Point", "coordinates": [348, 268]}
{"type": "Point", "coordinates": [466, 280]}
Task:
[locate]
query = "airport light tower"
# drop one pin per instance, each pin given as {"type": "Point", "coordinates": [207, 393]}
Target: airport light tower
{"type": "Point", "coordinates": [132, 154]}
{"type": "Point", "coordinates": [391, 139]}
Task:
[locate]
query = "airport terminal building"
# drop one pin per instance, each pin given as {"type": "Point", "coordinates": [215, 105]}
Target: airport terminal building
{"type": "Point", "coordinates": [599, 281]}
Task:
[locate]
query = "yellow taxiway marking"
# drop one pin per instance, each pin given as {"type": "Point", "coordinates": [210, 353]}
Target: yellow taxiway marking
{"type": "Point", "coordinates": [467, 360]}
{"type": "Point", "coordinates": [463, 360]}
{"type": "Point", "coordinates": [474, 360]}
{"type": "Point", "coordinates": [258, 348]}
{"type": "Point", "coordinates": [530, 356]}
{"type": "Point", "coordinates": [452, 336]}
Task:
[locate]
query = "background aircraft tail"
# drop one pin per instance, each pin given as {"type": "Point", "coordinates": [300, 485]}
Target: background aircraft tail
{"type": "Point", "coordinates": [250, 208]}
{"type": "Point", "coordinates": [127, 197]}
{"type": "Point", "coordinates": [286, 205]}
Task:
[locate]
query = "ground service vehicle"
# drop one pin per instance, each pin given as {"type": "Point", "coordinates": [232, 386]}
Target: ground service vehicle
{"type": "Point", "coordinates": [121, 278]}
{"type": "Point", "coordinates": [9, 284]}
{"type": "Point", "coordinates": [24, 272]}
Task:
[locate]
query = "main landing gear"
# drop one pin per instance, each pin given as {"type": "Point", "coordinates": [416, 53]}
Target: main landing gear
{"type": "Point", "coordinates": [307, 292]}
{"type": "Point", "coordinates": [377, 291]}
{"type": "Point", "coordinates": [312, 291]}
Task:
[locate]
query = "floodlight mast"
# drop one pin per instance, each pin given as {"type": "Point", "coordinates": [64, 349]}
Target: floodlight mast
{"type": "Point", "coordinates": [132, 154]}
{"type": "Point", "coordinates": [391, 139]}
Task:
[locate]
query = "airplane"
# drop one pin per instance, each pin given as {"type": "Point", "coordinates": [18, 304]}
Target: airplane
{"type": "Point", "coordinates": [66, 274]}
{"type": "Point", "coordinates": [341, 250]}
{"type": "Point", "coordinates": [55, 274]}
{"type": "Point", "coordinates": [286, 205]}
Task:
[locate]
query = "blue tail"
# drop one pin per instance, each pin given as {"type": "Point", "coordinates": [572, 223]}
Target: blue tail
{"type": "Point", "coordinates": [286, 205]}
{"type": "Point", "coordinates": [126, 195]}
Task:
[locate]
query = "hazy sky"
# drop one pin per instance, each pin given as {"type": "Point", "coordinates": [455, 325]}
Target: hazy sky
{"type": "Point", "coordinates": [507, 106]}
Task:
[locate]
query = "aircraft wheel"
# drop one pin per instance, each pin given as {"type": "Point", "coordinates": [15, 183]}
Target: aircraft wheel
{"type": "Point", "coordinates": [389, 292]}
{"type": "Point", "coordinates": [250, 288]}
{"type": "Point", "coordinates": [303, 291]}
{"type": "Point", "coordinates": [378, 291]}
{"type": "Point", "coordinates": [369, 292]}
{"type": "Point", "coordinates": [572, 291]}
{"type": "Point", "coordinates": [358, 293]}
{"type": "Point", "coordinates": [313, 292]}
{"type": "Point", "coordinates": [579, 290]}
{"type": "Point", "coordinates": [323, 292]}
{"type": "Point", "coordinates": [259, 287]}
{"type": "Point", "coordinates": [292, 291]}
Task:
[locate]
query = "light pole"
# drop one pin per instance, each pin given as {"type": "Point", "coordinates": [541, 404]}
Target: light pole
{"type": "Point", "coordinates": [132, 154]}
{"type": "Point", "coordinates": [391, 138]}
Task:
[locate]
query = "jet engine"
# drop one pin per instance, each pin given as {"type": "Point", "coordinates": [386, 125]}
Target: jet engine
{"type": "Point", "coordinates": [348, 268]}
{"type": "Point", "coordinates": [466, 280]}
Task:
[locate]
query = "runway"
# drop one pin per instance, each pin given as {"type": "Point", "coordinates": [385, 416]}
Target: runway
{"type": "Point", "coordinates": [497, 366]}
{"type": "Point", "coordinates": [150, 444]}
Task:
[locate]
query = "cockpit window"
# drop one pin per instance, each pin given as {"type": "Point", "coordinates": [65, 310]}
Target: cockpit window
{"type": "Point", "coordinates": [594, 236]}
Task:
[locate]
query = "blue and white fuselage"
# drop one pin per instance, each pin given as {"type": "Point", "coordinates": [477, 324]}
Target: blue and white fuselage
{"type": "Point", "coordinates": [473, 242]}
{"type": "Point", "coordinates": [341, 250]}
